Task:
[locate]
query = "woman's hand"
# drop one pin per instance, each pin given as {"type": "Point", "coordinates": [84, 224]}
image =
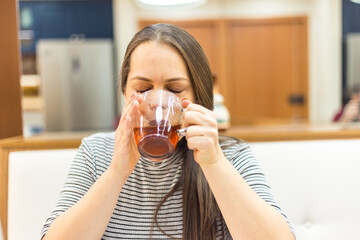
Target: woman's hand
{"type": "Point", "coordinates": [202, 133]}
{"type": "Point", "coordinates": [126, 154]}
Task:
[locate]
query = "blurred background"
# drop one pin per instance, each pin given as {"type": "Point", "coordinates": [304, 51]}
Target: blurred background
{"type": "Point", "coordinates": [286, 73]}
{"type": "Point", "coordinates": [275, 61]}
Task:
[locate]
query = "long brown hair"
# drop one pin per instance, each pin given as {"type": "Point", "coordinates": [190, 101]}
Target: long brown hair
{"type": "Point", "coordinates": [200, 210]}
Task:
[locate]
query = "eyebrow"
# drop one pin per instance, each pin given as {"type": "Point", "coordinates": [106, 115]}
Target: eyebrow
{"type": "Point", "coordinates": [167, 80]}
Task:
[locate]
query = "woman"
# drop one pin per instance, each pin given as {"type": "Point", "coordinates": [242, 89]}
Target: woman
{"type": "Point", "coordinates": [200, 192]}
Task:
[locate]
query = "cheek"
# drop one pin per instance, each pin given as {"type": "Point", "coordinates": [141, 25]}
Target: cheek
{"type": "Point", "coordinates": [128, 91]}
{"type": "Point", "coordinates": [190, 95]}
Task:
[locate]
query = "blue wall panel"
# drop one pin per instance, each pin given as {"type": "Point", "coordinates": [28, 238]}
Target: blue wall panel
{"type": "Point", "coordinates": [60, 19]}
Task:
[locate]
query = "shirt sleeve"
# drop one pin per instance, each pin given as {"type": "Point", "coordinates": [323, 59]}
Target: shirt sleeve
{"type": "Point", "coordinates": [246, 164]}
{"type": "Point", "coordinates": [80, 178]}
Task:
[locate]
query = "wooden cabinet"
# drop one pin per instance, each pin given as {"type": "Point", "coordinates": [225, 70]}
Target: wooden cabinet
{"type": "Point", "coordinates": [10, 105]}
{"type": "Point", "coordinates": [261, 64]}
{"type": "Point", "coordinates": [266, 70]}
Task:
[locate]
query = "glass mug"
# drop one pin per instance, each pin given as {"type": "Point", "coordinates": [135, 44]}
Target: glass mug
{"type": "Point", "coordinates": [157, 129]}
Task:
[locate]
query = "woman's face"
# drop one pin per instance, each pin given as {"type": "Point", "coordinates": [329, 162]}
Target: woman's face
{"type": "Point", "coordinates": [156, 66]}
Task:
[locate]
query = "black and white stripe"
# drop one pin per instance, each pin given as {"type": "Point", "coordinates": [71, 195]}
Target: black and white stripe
{"type": "Point", "coordinates": [148, 183]}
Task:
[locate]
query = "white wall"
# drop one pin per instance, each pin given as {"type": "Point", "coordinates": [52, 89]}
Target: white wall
{"type": "Point", "coordinates": [125, 27]}
{"type": "Point", "coordinates": [266, 8]}
{"type": "Point", "coordinates": [324, 37]}
{"type": "Point", "coordinates": [325, 59]}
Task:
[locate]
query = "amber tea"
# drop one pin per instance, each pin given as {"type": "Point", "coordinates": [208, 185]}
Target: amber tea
{"type": "Point", "coordinates": [156, 141]}
{"type": "Point", "coordinates": [160, 116]}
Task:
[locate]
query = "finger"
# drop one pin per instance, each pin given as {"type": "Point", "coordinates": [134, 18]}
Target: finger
{"type": "Point", "coordinates": [134, 110]}
{"type": "Point", "coordinates": [126, 108]}
{"type": "Point", "coordinates": [192, 131]}
{"type": "Point", "coordinates": [120, 129]}
{"type": "Point", "coordinates": [127, 131]}
{"type": "Point", "coordinates": [129, 105]}
{"type": "Point", "coordinates": [131, 109]}
{"type": "Point", "coordinates": [197, 118]}
{"type": "Point", "coordinates": [199, 142]}
{"type": "Point", "coordinates": [200, 131]}
{"type": "Point", "coordinates": [185, 102]}
{"type": "Point", "coordinates": [199, 108]}
{"type": "Point", "coordinates": [139, 98]}
{"type": "Point", "coordinates": [134, 115]}
{"type": "Point", "coordinates": [119, 133]}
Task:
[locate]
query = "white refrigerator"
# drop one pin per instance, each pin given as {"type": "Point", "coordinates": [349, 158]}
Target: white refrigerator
{"type": "Point", "coordinates": [78, 84]}
{"type": "Point", "coordinates": [353, 59]}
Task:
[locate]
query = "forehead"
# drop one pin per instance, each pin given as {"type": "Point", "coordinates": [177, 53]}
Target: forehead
{"type": "Point", "coordinates": [157, 59]}
{"type": "Point", "coordinates": [153, 49]}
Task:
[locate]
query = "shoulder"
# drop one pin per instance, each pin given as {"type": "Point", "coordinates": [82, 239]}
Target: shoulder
{"type": "Point", "coordinates": [104, 140]}
{"type": "Point", "coordinates": [239, 154]}
{"type": "Point", "coordinates": [99, 146]}
{"type": "Point", "coordinates": [231, 146]}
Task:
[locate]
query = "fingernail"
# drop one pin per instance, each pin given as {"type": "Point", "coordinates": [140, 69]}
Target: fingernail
{"type": "Point", "coordinates": [132, 95]}
{"type": "Point", "coordinates": [184, 99]}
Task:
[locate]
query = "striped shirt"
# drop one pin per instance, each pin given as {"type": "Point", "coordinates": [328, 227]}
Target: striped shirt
{"type": "Point", "coordinates": [148, 183]}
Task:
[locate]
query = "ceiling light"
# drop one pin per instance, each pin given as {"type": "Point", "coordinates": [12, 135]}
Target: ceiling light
{"type": "Point", "coordinates": [355, 1]}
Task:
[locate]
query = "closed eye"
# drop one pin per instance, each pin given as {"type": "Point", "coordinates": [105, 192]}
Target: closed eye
{"type": "Point", "coordinates": [175, 91]}
{"type": "Point", "coordinates": [142, 91]}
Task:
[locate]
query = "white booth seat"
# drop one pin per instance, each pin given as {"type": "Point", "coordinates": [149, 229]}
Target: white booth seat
{"type": "Point", "coordinates": [315, 182]}
{"type": "Point", "coordinates": [35, 181]}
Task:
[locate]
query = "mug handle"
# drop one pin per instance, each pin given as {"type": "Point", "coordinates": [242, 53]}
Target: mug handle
{"type": "Point", "coordinates": [181, 132]}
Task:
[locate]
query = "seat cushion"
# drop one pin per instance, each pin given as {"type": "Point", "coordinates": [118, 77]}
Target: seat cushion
{"type": "Point", "coordinates": [315, 182]}
{"type": "Point", "coordinates": [35, 181]}
{"type": "Point", "coordinates": [317, 185]}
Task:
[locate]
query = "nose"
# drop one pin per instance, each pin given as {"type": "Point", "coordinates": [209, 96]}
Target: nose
{"type": "Point", "coordinates": [156, 106]}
